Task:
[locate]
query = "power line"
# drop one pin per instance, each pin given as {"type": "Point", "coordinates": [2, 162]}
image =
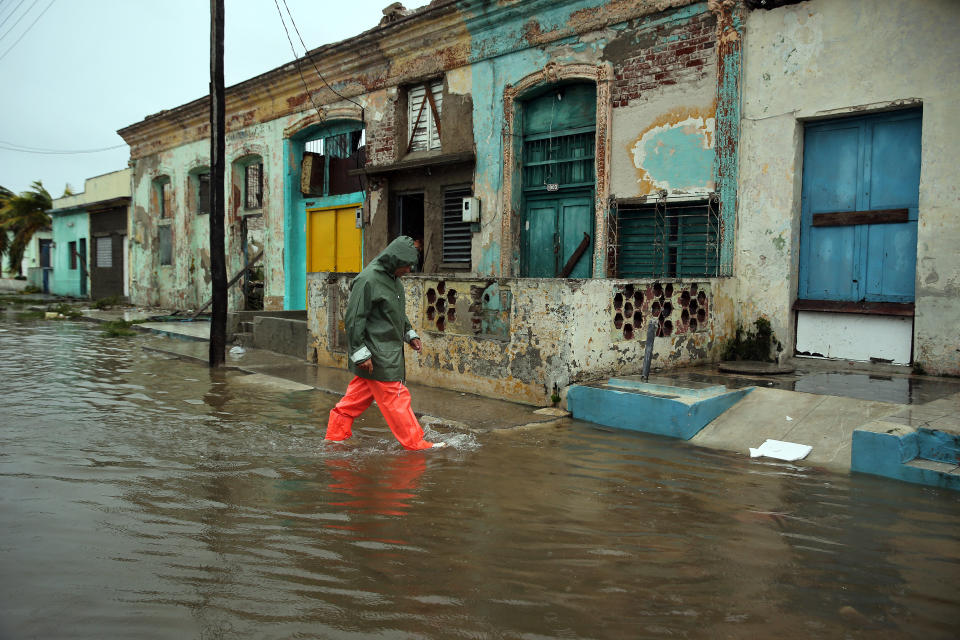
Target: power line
{"type": "Point", "coordinates": [10, 15]}
{"type": "Point", "coordinates": [297, 60]}
{"type": "Point", "coordinates": [27, 31]}
{"type": "Point", "coordinates": [306, 54]}
{"type": "Point", "coordinates": [11, 146]}
{"type": "Point", "coordinates": [22, 16]}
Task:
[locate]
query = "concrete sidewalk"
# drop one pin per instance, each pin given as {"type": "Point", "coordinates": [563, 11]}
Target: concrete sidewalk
{"type": "Point", "coordinates": [189, 340]}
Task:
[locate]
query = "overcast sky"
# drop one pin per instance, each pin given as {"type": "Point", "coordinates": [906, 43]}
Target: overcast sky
{"type": "Point", "coordinates": [75, 71]}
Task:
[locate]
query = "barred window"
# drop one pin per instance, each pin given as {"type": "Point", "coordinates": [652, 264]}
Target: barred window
{"type": "Point", "coordinates": [674, 239]}
{"type": "Point", "coordinates": [456, 233]}
{"type": "Point", "coordinates": [203, 193]}
{"type": "Point", "coordinates": [254, 186]}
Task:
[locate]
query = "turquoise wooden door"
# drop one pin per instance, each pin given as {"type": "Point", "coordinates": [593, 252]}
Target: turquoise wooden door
{"type": "Point", "coordinates": [554, 228]}
{"type": "Point", "coordinates": [558, 180]}
{"type": "Point", "coordinates": [861, 181]}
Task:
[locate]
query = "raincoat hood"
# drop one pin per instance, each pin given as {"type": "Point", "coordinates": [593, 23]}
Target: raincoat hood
{"type": "Point", "coordinates": [399, 253]}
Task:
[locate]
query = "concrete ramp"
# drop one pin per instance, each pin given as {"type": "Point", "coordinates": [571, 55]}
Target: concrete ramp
{"type": "Point", "coordinates": [826, 423]}
{"type": "Point", "coordinates": [668, 408]}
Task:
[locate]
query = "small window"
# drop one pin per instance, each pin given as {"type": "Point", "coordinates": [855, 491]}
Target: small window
{"type": "Point", "coordinates": [456, 233]}
{"type": "Point", "coordinates": [72, 248]}
{"type": "Point", "coordinates": [423, 115]}
{"type": "Point", "coordinates": [253, 180]}
{"type": "Point", "coordinates": [163, 195]}
{"type": "Point", "coordinates": [165, 244]}
{"type": "Point", "coordinates": [104, 249]}
{"type": "Point", "coordinates": [203, 193]}
{"type": "Point", "coordinates": [678, 239]}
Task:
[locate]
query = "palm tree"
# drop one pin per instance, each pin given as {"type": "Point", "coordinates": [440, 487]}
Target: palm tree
{"type": "Point", "coordinates": [21, 216]}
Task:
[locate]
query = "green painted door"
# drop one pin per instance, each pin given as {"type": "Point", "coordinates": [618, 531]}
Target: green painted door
{"type": "Point", "coordinates": [554, 228]}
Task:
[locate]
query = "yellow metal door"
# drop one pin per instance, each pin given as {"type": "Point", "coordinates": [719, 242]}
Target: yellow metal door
{"type": "Point", "coordinates": [333, 241]}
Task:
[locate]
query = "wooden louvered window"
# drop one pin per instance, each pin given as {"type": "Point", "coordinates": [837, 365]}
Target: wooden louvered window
{"type": "Point", "coordinates": [423, 115]}
{"type": "Point", "coordinates": [456, 233]}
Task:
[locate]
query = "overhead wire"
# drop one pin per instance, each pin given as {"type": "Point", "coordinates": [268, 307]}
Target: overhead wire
{"type": "Point", "coordinates": [11, 14]}
{"type": "Point", "coordinates": [4, 55]}
{"type": "Point", "coordinates": [11, 146]}
{"type": "Point", "coordinates": [306, 54]}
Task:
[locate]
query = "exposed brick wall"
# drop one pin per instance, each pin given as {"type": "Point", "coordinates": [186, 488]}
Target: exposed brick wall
{"type": "Point", "coordinates": [680, 52]}
{"type": "Point", "coordinates": [381, 138]}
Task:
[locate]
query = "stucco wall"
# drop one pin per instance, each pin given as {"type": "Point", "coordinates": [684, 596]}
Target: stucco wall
{"type": "Point", "coordinates": [825, 59]}
{"type": "Point", "coordinates": [549, 331]}
{"type": "Point", "coordinates": [69, 226]}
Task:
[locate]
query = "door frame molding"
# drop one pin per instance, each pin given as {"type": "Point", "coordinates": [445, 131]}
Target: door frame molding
{"type": "Point", "coordinates": [552, 73]}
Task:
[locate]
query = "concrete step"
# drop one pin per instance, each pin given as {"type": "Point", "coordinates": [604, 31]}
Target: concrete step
{"type": "Point", "coordinates": [921, 455]}
{"type": "Point", "coordinates": [665, 407]}
{"type": "Point", "coordinates": [245, 326]}
{"type": "Point", "coordinates": [281, 335]}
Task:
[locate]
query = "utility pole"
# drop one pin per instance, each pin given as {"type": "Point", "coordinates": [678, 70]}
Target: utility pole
{"type": "Point", "coordinates": [218, 267]}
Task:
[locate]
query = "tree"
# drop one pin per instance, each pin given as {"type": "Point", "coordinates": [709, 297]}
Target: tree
{"type": "Point", "coordinates": [21, 216]}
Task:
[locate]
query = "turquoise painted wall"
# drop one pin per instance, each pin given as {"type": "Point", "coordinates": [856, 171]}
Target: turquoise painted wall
{"type": "Point", "coordinates": [295, 206]}
{"type": "Point", "coordinates": [69, 226]}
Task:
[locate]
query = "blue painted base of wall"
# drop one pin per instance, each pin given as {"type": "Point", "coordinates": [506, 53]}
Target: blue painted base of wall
{"type": "Point", "coordinates": [924, 456]}
{"type": "Point", "coordinates": [668, 411]}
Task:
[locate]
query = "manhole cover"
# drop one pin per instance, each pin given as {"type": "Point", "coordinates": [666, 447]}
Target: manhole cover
{"type": "Point", "coordinates": [755, 367]}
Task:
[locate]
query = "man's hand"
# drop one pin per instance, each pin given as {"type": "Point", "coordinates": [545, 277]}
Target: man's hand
{"type": "Point", "coordinates": [416, 344]}
{"type": "Point", "coordinates": [366, 365]}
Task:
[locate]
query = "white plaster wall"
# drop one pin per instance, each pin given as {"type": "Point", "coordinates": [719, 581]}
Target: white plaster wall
{"type": "Point", "coordinates": [825, 58]}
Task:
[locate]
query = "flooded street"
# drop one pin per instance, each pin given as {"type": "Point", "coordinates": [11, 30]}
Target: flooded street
{"type": "Point", "coordinates": [145, 497]}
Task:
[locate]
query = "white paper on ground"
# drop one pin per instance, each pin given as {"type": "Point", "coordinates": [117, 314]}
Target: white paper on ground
{"type": "Point", "coordinates": [781, 450]}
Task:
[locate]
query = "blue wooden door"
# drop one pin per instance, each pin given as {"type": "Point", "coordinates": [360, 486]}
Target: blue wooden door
{"type": "Point", "coordinates": [861, 181]}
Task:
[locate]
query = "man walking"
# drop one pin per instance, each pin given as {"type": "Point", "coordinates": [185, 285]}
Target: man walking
{"type": "Point", "coordinates": [377, 326]}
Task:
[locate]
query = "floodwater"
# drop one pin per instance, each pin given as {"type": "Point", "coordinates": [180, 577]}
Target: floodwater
{"type": "Point", "coordinates": [142, 497]}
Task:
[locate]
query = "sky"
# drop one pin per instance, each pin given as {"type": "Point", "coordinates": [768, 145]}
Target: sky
{"type": "Point", "coordinates": [73, 72]}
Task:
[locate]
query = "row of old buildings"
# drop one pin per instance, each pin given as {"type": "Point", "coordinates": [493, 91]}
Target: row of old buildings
{"type": "Point", "coordinates": [579, 170]}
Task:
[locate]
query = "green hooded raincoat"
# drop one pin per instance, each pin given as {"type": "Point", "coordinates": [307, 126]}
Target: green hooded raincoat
{"type": "Point", "coordinates": [376, 319]}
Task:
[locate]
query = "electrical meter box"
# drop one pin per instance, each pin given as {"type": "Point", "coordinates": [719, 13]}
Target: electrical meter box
{"type": "Point", "coordinates": [359, 221]}
{"type": "Point", "coordinates": [471, 210]}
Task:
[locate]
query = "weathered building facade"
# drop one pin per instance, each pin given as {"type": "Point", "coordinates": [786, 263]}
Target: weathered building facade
{"type": "Point", "coordinates": [597, 144]}
{"type": "Point", "coordinates": [848, 208]}
{"type": "Point", "coordinates": [88, 255]}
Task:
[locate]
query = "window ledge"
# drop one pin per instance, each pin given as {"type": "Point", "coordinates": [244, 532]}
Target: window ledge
{"type": "Point", "coordinates": [872, 308]}
{"type": "Point", "coordinates": [417, 162]}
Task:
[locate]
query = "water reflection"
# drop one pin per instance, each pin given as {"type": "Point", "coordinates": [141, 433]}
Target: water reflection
{"type": "Point", "coordinates": [383, 487]}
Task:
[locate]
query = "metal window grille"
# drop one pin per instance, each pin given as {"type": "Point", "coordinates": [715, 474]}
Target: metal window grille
{"type": "Point", "coordinates": [104, 249]}
{"type": "Point", "coordinates": [254, 183]}
{"type": "Point", "coordinates": [668, 238]}
{"type": "Point", "coordinates": [203, 193]}
{"type": "Point", "coordinates": [564, 159]}
{"type": "Point", "coordinates": [422, 130]}
{"type": "Point", "coordinates": [457, 235]}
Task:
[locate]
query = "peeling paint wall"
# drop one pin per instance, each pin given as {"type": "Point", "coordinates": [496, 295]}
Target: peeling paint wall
{"type": "Point", "coordinates": [822, 59]}
{"type": "Point", "coordinates": [550, 331]}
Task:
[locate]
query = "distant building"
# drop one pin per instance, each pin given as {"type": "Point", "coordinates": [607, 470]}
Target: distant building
{"type": "Point", "coordinates": [89, 239]}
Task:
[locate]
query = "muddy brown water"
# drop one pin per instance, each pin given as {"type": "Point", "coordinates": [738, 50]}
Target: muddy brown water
{"type": "Point", "coordinates": [142, 497]}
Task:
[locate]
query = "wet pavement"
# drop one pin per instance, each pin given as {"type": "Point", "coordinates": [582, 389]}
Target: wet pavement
{"type": "Point", "coordinates": [145, 496]}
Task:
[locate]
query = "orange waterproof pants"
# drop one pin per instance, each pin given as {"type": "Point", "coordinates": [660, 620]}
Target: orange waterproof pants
{"type": "Point", "coordinates": [393, 398]}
